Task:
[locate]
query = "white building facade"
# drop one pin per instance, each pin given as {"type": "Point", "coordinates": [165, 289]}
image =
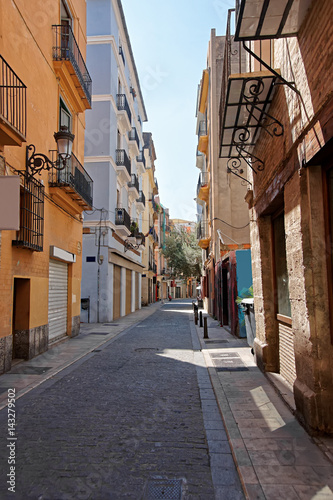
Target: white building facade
{"type": "Point", "coordinates": [112, 258]}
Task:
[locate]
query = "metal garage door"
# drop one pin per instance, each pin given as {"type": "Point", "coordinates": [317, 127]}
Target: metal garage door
{"type": "Point", "coordinates": [58, 291]}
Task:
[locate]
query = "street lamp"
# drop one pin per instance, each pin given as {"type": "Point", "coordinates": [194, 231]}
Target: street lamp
{"type": "Point", "coordinates": [37, 162]}
{"type": "Point", "coordinates": [139, 240]}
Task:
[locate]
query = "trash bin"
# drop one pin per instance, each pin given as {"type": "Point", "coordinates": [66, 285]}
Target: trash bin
{"type": "Point", "coordinates": [250, 322]}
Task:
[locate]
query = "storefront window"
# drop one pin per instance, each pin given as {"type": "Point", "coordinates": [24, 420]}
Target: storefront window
{"type": "Point", "coordinates": [281, 272]}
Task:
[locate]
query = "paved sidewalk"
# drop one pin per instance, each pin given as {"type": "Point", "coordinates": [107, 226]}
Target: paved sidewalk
{"type": "Point", "coordinates": [27, 375]}
{"type": "Point", "coordinates": [275, 456]}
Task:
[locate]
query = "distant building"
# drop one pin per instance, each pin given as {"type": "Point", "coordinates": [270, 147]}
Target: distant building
{"type": "Point", "coordinates": [223, 219]}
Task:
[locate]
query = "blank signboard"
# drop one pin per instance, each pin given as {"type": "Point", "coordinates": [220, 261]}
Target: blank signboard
{"type": "Point", "coordinates": [9, 202]}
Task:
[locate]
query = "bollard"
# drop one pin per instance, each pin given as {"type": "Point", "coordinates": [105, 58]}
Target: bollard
{"type": "Point", "coordinates": [200, 313]}
{"type": "Point", "coordinates": [195, 317]}
{"type": "Point", "coordinates": [205, 329]}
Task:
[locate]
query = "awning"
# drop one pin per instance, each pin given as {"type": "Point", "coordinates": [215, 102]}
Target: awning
{"type": "Point", "coordinates": [246, 105]}
{"type": "Point", "coordinates": [265, 19]}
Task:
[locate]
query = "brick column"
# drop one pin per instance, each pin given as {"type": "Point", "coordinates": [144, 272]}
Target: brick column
{"type": "Point", "coordinates": [308, 288]}
{"type": "Point", "coordinates": [266, 342]}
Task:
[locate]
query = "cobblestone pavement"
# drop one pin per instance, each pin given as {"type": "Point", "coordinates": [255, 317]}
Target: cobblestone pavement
{"type": "Point", "coordinates": [136, 417]}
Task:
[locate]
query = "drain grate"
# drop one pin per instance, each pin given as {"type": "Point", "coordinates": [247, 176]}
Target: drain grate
{"type": "Point", "coordinates": [144, 349]}
{"type": "Point", "coordinates": [216, 341]}
{"type": "Point", "coordinates": [31, 370]}
{"type": "Point", "coordinates": [99, 333]}
{"type": "Point", "coordinates": [170, 489]}
{"type": "Point", "coordinates": [110, 324]}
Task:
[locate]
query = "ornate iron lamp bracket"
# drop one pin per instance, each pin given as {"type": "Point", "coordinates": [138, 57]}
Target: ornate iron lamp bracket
{"type": "Point", "coordinates": [36, 162]}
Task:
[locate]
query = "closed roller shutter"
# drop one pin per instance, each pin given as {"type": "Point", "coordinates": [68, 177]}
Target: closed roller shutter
{"type": "Point", "coordinates": [116, 291]}
{"type": "Point", "coordinates": [287, 353]}
{"type": "Point", "coordinates": [128, 291]}
{"type": "Point", "coordinates": [58, 292]}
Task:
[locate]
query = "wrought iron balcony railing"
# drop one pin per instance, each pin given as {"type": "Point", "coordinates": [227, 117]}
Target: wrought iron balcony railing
{"type": "Point", "coordinates": [134, 183]}
{"type": "Point", "coordinates": [142, 198]}
{"type": "Point", "coordinates": [122, 105]}
{"type": "Point", "coordinates": [74, 178]}
{"type": "Point", "coordinates": [133, 136]}
{"type": "Point", "coordinates": [202, 181]}
{"type": "Point", "coordinates": [12, 99]}
{"type": "Point", "coordinates": [141, 158]}
{"type": "Point", "coordinates": [202, 128]}
{"type": "Point", "coordinates": [202, 230]}
{"type": "Point", "coordinates": [66, 48]}
{"type": "Point", "coordinates": [122, 218]}
{"type": "Point", "coordinates": [122, 160]}
{"type": "Point", "coordinates": [121, 53]}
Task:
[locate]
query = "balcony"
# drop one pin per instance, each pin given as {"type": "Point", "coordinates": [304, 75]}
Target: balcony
{"type": "Point", "coordinates": [200, 160]}
{"type": "Point", "coordinates": [121, 53]}
{"type": "Point", "coordinates": [203, 186]}
{"type": "Point", "coordinates": [155, 188]}
{"type": "Point", "coordinates": [70, 67]}
{"type": "Point", "coordinates": [203, 137]}
{"type": "Point", "coordinates": [75, 185]}
{"type": "Point", "coordinates": [141, 162]}
{"type": "Point", "coordinates": [133, 142]}
{"type": "Point", "coordinates": [12, 107]}
{"type": "Point", "coordinates": [123, 164]}
{"type": "Point", "coordinates": [123, 222]}
{"type": "Point", "coordinates": [203, 234]}
{"type": "Point", "coordinates": [133, 188]}
{"type": "Point", "coordinates": [141, 202]}
{"type": "Point", "coordinates": [124, 114]}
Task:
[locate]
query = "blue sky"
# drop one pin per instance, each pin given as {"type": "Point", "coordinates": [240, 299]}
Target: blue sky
{"type": "Point", "coordinates": [169, 42]}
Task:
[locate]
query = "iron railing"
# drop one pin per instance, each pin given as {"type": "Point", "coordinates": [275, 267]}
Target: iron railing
{"type": "Point", "coordinates": [122, 160]}
{"type": "Point", "coordinates": [202, 230]}
{"type": "Point", "coordinates": [66, 48]}
{"type": "Point", "coordinates": [121, 53]}
{"type": "Point", "coordinates": [134, 183]}
{"type": "Point", "coordinates": [75, 176]}
{"type": "Point", "coordinates": [142, 198]}
{"type": "Point", "coordinates": [122, 218]}
{"type": "Point", "coordinates": [141, 158]}
{"type": "Point", "coordinates": [13, 99]}
{"type": "Point", "coordinates": [133, 136]}
{"type": "Point", "coordinates": [202, 181]}
{"type": "Point", "coordinates": [31, 232]}
{"type": "Point", "coordinates": [122, 105]}
{"type": "Point", "coordinates": [202, 128]}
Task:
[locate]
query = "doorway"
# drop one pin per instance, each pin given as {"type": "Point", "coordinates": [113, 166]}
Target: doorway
{"type": "Point", "coordinates": [21, 318]}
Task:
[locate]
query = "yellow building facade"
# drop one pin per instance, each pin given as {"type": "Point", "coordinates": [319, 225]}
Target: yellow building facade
{"type": "Point", "coordinates": [45, 88]}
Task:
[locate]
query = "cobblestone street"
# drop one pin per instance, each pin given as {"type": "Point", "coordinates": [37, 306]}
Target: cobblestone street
{"type": "Point", "coordinates": [126, 421]}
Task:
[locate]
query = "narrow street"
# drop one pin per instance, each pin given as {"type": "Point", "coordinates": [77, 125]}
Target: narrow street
{"type": "Point", "coordinates": [135, 418]}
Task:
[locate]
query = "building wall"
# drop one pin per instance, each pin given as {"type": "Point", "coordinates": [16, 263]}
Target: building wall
{"type": "Point", "coordinates": [29, 53]}
{"type": "Point", "coordinates": [290, 182]}
{"type": "Point", "coordinates": [106, 132]}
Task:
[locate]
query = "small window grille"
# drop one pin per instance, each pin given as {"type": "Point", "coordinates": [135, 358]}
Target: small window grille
{"type": "Point", "coordinates": [30, 234]}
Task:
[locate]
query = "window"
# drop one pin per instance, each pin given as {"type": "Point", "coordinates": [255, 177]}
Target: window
{"type": "Point", "coordinates": [66, 18]}
{"type": "Point", "coordinates": [65, 117]}
{"type": "Point", "coordinates": [281, 272]}
{"type": "Point", "coordinates": [30, 234]}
